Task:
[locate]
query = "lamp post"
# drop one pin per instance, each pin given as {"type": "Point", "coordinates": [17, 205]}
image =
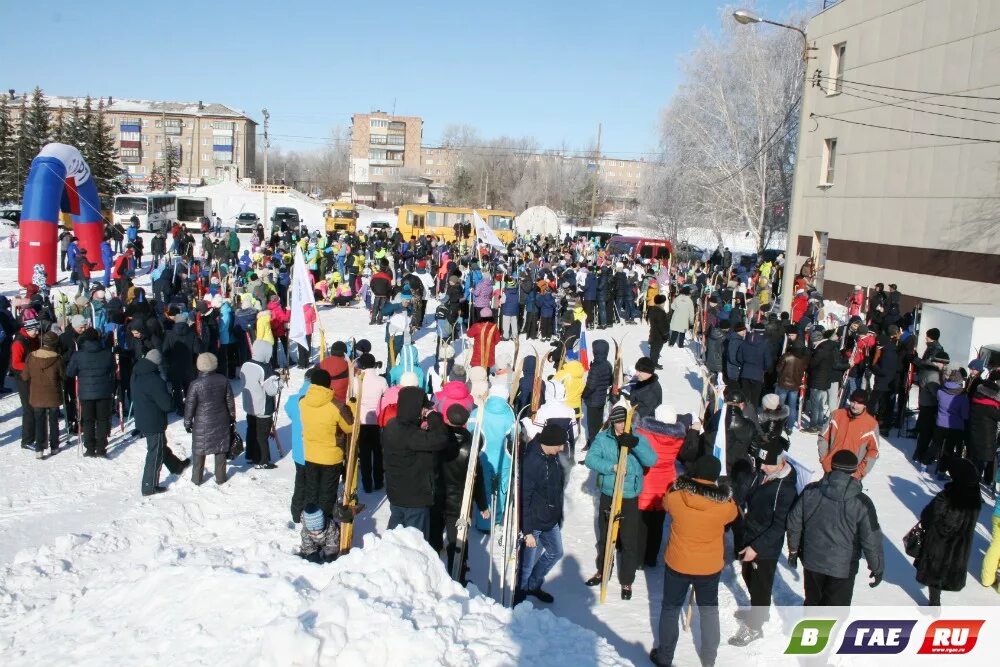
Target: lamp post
{"type": "Point", "coordinates": [746, 17]}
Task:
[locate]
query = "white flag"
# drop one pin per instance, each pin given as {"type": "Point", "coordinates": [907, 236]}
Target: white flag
{"type": "Point", "coordinates": [487, 235]}
{"type": "Point", "coordinates": [301, 297]}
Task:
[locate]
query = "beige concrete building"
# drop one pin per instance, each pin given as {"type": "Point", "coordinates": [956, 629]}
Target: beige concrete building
{"type": "Point", "coordinates": [212, 141]}
{"type": "Point", "coordinates": [385, 155]}
{"type": "Point", "coordinates": [897, 180]}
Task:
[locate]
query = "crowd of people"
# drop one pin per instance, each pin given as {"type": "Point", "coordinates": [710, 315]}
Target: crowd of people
{"type": "Point", "coordinates": [216, 315]}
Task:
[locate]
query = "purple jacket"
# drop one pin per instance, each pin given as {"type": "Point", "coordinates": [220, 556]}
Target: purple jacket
{"type": "Point", "coordinates": [953, 406]}
{"type": "Point", "coordinates": [482, 293]}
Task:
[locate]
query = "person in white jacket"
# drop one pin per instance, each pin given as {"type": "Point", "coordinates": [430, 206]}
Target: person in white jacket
{"type": "Point", "coordinates": [369, 440]}
{"type": "Point", "coordinates": [555, 411]}
{"type": "Point", "coordinates": [261, 385]}
{"type": "Point", "coordinates": [681, 317]}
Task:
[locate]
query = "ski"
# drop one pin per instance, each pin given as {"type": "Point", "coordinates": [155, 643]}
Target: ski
{"type": "Point", "coordinates": [351, 465]}
{"type": "Point", "coordinates": [614, 517]}
{"type": "Point", "coordinates": [274, 424]}
{"type": "Point", "coordinates": [464, 518]}
{"type": "Point", "coordinates": [802, 399]}
{"type": "Point", "coordinates": [616, 369]}
{"type": "Point", "coordinates": [536, 384]}
{"type": "Point", "coordinates": [511, 522]}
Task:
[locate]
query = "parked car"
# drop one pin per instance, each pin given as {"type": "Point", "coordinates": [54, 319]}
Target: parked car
{"type": "Point", "coordinates": [285, 218]}
{"type": "Point", "coordinates": [379, 225]}
{"type": "Point", "coordinates": [11, 215]}
{"type": "Point", "coordinates": [247, 222]}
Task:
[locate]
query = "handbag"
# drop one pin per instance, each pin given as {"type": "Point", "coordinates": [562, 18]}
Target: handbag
{"type": "Point", "coordinates": [235, 445]}
{"type": "Point", "coordinates": [913, 541]}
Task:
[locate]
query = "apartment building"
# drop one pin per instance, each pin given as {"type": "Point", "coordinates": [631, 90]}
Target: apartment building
{"type": "Point", "coordinates": [897, 176]}
{"type": "Point", "coordinates": [211, 141]}
{"type": "Point", "coordinates": [385, 153]}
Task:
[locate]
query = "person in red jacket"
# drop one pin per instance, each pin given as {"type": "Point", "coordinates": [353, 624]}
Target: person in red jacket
{"type": "Point", "coordinates": [799, 305]}
{"type": "Point", "coordinates": [25, 342]}
{"type": "Point", "coordinates": [279, 326]}
{"type": "Point", "coordinates": [666, 436]}
{"type": "Point", "coordinates": [485, 335]}
{"type": "Point", "coordinates": [336, 365]}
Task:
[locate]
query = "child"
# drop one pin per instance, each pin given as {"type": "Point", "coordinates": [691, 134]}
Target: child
{"type": "Point", "coordinates": [321, 538]}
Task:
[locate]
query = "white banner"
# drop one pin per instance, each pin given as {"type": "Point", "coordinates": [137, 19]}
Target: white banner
{"type": "Point", "coordinates": [485, 234]}
{"type": "Point", "coordinates": [301, 295]}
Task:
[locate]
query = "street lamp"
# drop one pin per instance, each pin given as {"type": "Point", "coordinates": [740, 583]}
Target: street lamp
{"type": "Point", "coordinates": [746, 17]}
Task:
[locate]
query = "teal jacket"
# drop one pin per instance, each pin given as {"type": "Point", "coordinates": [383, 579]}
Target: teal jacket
{"type": "Point", "coordinates": [603, 457]}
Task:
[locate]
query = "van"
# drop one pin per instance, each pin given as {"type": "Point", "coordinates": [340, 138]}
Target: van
{"type": "Point", "coordinates": [285, 218]}
{"type": "Point", "coordinates": [641, 247]}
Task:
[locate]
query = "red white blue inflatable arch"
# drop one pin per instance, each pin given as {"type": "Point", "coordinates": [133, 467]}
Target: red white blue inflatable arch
{"type": "Point", "coordinates": [59, 179]}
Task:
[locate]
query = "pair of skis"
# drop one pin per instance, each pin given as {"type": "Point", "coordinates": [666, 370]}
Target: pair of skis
{"type": "Point", "coordinates": [351, 465]}
{"type": "Point", "coordinates": [510, 534]}
{"type": "Point", "coordinates": [465, 511]}
{"type": "Point", "coordinates": [615, 515]}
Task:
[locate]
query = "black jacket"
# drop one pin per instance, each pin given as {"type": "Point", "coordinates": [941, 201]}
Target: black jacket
{"type": "Point", "coordinates": [595, 391]}
{"type": "Point", "coordinates": [771, 423]}
{"type": "Point", "coordinates": [151, 401]}
{"type": "Point", "coordinates": [949, 522]}
{"type": "Point", "coordinates": [713, 350]}
{"type": "Point", "coordinates": [824, 366]}
{"type": "Point", "coordinates": [646, 396]}
{"type": "Point", "coordinates": [180, 347]}
{"type": "Point", "coordinates": [541, 489]}
{"type": "Point", "coordinates": [832, 523]}
{"type": "Point", "coordinates": [209, 410]}
{"type": "Point", "coordinates": [741, 431]}
{"type": "Point", "coordinates": [454, 469]}
{"type": "Point", "coordinates": [659, 324]}
{"type": "Point", "coordinates": [409, 451]}
{"type": "Point", "coordinates": [94, 367]}
{"type": "Point", "coordinates": [886, 370]}
{"type": "Point", "coordinates": [765, 505]}
{"type": "Point", "coordinates": [984, 413]}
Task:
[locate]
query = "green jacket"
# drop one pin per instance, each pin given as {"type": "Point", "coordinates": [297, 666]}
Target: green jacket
{"type": "Point", "coordinates": [603, 457]}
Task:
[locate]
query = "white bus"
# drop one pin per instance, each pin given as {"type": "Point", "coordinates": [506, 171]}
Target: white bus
{"type": "Point", "coordinates": [155, 210]}
{"type": "Point", "coordinates": [191, 210]}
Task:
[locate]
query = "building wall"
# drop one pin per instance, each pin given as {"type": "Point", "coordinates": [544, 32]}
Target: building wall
{"type": "Point", "coordinates": [384, 149]}
{"type": "Point", "coordinates": [916, 210]}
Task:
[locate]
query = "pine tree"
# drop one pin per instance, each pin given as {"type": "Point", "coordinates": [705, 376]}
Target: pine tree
{"type": "Point", "coordinates": [83, 131]}
{"type": "Point", "coordinates": [73, 132]}
{"type": "Point", "coordinates": [38, 125]}
{"type": "Point", "coordinates": [103, 156]}
{"type": "Point", "coordinates": [22, 152]}
{"type": "Point", "coordinates": [171, 166]}
{"type": "Point", "coordinates": [59, 127]}
{"type": "Point", "coordinates": [8, 158]}
{"type": "Point", "coordinates": [155, 180]}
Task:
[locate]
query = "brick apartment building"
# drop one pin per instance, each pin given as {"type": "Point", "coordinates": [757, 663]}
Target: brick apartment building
{"type": "Point", "coordinates": [385, 154]}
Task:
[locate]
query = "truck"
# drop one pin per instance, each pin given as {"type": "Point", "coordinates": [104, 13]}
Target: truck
{"type": "Point", "coordinates": [967, 329]}
{"type": "Point", "coordinates": [192, 210]}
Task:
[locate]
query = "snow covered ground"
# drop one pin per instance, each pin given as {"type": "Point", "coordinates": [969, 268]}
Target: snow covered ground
{"type": "Point", "coordinates": [94, 574]}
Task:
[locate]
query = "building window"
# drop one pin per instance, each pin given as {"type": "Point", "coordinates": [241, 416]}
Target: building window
{"type": "Point", "coordinates": [204, 172]}
{"type": "Point", "coordinates": [837, 59]}
{"type": "Point", "coordinates": [159, 155]}
{"type": "Point", "coordinates": [374, 154]}
{"type": "Point", "coordinates": [204, 141]}
{"type": "Point", "coordinates": [130, 136]}
{"type": "Point", "coordinates": [395, 139]}
{"type": "Point", "coordinates": [376, 122]}
{"type": "Point", "coordinates": [205, 157]}
{"type": "Point", "coordinates": [428, 161]}
{"type": "Point", "coordinates": [829, 161]}
{"type": "Point", "coordinates": [378, 138]}
{"type": "Point", "coordinates": [376, 171]}
{"type": "Point", "coordinates": [159, 138]}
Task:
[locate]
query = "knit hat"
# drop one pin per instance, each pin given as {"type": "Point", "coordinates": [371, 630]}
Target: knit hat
{"type": "Point", "coordinates": [892, 330]}
{"type": "Point", "coordinates": [31, 323]}
{"type": "Point", "coordinates": [500, 391]}
{"type": "Point", "coordinates": [705, 467]}
{"type": "Point", "coordinates": [366, 361]}
{"type": "Point", "coordinates": [155, 356]}
{"type": "Point", "coordinates": [963, 472]}
{"type": "Point", "coordinates": [845, 461]}
{"type": "Point", "coordinates": [320, 377]}
{"type": "Point", "coordinates": [207, 362]}
{"type": "Point", "coordinates": [816, 336]}
{"type": "Point", "coordinates": [485, 312]}
{"type": "Point", "coordinates": [645, 365]}
{"type": "Point", "coordinates": [665, 414]}
{"type": "Point", "coordinates": [933, 333]}
{"type": "Point", "coordinates": [458, 372]}
{"type": "Point", "coordinates": [457, 414]}
{"type": "Point", "coordinates": [770, 402]}
{"type": "Point", "coordinates": [791, 330]}
{"type": "Point", "coordinates": [409, 379]}
{"type": "Point", "coordinates": [859, 396]}
{"type": "Point", "coordinates": [50, 340]}
{"type": "Point", "coordinates": [363, 346]}
{"type": "Point", "coordinates": [977, 365]}
{"type": "Point", "coordinates": [339, 348]}
{"type": "Point", "coordinates": [312, 518]}
{"type": "Point", "coordinates": [942, 357]}
{"type": "Point", "coordinates": [770, 452]}
{"type": "Point", "coordinates": [78, 321]}
{"type": "Point", "coordinates": [659, 299]}
{"type": "Point", "coordinates": [552, 435]}
{"type": "Point", "coordinates": [618, 414]}
{"type": "Point", "coordinates": [740, 327]}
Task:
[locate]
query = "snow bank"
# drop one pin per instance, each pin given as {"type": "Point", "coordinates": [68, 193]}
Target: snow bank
{"type": "Point", "coordinates": [393, 603]}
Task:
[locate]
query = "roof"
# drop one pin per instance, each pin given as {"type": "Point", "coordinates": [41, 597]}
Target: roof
{"type": "Point", "coordinates": [137, 106]}
{"type": "Point", "coordinates": [967, 309]}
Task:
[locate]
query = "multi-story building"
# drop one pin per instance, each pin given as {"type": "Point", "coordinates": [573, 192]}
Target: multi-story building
{"type": "Point", "coordinates": [896, 180]}
{"type": "Point", "coordinates": [210, 140]}
{"type": "Point", "coordinates": [385, 154]}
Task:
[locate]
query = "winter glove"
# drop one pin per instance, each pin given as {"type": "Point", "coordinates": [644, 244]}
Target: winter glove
{"type": "Point", "coordinates": [627, 440]}
{"type": "Point", "coordinates": [876, 579]}
{"type": "Point", "coordinates": [793, 560]}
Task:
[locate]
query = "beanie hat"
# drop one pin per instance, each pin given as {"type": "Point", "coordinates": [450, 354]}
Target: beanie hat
{"type": "Point", "coordinates": [457, 414]}
{"type": "Point", "coordinates": [485, 312]}
{"type": "Point", "coordinates": [207, 363]}
{"type": "Point", "coordinates": [791, 330]}
{"type": "Point", "coordinates": [665, 414]}
{"type": "Point", "coordinates": [740, 327]}
{"type": "Point", "coordinates": [155, 356]}
{"type": "Point", "coordinates": [409, 379]}
{"type": "Point", "coordinates": [552, 435]}
{"type": "Point", "coordinates": [659, 299]}
{"type": "Point", "coordinates": [50, 340]}
{"type": "Point", "coordinates": [771, 452]}
{"type": "Point", "coordinates": [312, 518]}
{"type": "Point", "coordinates": [320, 377]}
{"type": "Point", "coordinates": [363, 346]}
{"type": "Point", "coordinates": [816, 336]}
{"type": "Point", "coordinates": [933, 333]}
{"type": "Point", "coordinates": [862, 329]}
{"type": "Point", "coordinates": [458, 372]}
{"type": "Point", "coordinates": [500, 391]}
{"type": "Point", "coordinates": [859, 396]}
{"type": "Point", "coordinates": [618, 414]}
{"type": "Point", "coordinates": [845, 461]}
{"type": "Point", "coordinates": [645, 365]}
{"type": "Point", "coordinates": [770, 402]}
{"type": "Point", "coordinates": [366, 361]}
{"type": "Point", "coordinates": [78, 321]}
{"type": "Point", "coordinates": [705, 467]}
{"type": "Point", "coordinates": [339, 348]}
{"type": "Point", "coordinates": [31, 323]}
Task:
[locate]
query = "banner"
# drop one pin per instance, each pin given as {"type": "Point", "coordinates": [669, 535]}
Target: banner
{"type": "Point", "coordinates": [300, 297]}
{"type": "Point", "coordinates": [485, 234]}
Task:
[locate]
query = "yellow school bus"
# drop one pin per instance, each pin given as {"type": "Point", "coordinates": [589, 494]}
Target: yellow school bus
{"type": "Point", "coordinates": [341, 217]}
{"type": "Point", "coordinates": [440, 221]}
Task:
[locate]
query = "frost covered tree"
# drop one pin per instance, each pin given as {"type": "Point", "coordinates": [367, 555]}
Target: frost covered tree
{"type": "Point", "coordinates": [102, 156]}
{"type": "Point", "coordinates": [170, 167]}
{"type": "Point", "coordinates": [664, 196]}
{"type": "Point", "coordinates": [37, 126]}
{"type": "Point", "coordinates": [9, 191]}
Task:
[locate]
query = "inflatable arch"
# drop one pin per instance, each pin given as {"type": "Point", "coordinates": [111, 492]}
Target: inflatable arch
{"type": "Point", "coordinates": [59, 179]}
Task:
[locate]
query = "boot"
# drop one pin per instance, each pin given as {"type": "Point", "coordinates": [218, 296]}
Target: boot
{"type": "Point", "coordinates": [745, 635]}
{"type": "Point", "coordinates": [594, 580]}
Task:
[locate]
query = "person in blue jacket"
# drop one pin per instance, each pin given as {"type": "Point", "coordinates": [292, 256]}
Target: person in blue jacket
{"type": "Point", "coordinates": [541, 511]}
{"type": "Point", "coordinates": [227, 339]}
{"type": "Point", "coordinates": [731, 354]}
{"type": "Point", "coordinates": [546, 310]}
{"type": "Point", "coordinates": [510, 308]}
{"type": "Point", "coordinates": [107, 258]}
{"type": "Point", "coordinates": [754, 358]}
{"type": "Point", "coordinates": [298, 450]}
{"type": "Point", "coordinates": [603, 459]}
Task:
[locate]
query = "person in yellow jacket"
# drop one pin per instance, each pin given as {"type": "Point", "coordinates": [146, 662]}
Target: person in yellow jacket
{"type": "Point", "coordinates": [263, 330]}
{"type": "Point", "coordinates": [326, 428]}
{"type": "Point", "coordinates": [571, 375]}
{"type": "Point", "coordinates": [652, 290]}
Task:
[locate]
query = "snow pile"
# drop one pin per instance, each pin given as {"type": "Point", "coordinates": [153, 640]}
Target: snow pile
{"type": "Point", "coordinates": [836, 314]}
{"type": "Point", "coordinates": [393, 603]}
{"type": "Point", "coordinates": [231, 199]}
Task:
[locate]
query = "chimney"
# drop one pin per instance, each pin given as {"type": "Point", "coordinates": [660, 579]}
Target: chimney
{"type": "Point", "coordinates": [110, 101]}
{"type": "Point", "coordinates": [201, 107]}
{"type": "Point", "coordinates": [10, 91]}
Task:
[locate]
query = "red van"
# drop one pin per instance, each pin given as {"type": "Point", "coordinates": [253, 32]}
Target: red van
{"type": "Point", "coordinates": [642, 247]}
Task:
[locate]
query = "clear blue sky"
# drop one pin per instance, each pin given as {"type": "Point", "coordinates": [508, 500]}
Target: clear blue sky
{"type": "Point", "coordinates": [545, 69]}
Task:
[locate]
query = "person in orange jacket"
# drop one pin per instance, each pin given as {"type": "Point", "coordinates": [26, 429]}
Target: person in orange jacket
{"type": "Point", "coordinates": [851, 428]}
{"type": "Point", "coordinates": [485, 335]}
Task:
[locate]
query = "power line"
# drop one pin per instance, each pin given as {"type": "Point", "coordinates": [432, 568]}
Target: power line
{"type": "Point", "coordinates": [922, 92]}
{"type": "Point", "coordinates": [900, 105]}
{"type": "Point", "coordinates": [907, 99]}
{"type": "Point", "coordinates": [767, 143]}
{"type": "Point", "coordinates": [901, 129]}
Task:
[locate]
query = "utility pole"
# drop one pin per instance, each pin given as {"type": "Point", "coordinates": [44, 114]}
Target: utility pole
{"type": "Point", "coordinates": [597, 175]}
{"type": "Point", "coordinates": [267, 144]}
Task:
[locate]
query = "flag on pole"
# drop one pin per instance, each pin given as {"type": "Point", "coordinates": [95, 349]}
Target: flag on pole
{"type": "Point", "coordinates": [487, 235]}
{"type": "Point", "coordinates": [579, 350]}
{"type": "Point", "coordinates": [301, 297]}
{"type": "Point", "coordinates": [719, 447]}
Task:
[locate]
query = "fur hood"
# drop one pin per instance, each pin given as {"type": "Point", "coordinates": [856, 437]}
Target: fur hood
{"type": "Point", "coordinates": [719, 493]}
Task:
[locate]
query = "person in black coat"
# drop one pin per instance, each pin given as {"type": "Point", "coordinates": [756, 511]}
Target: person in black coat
{"type": "Point", "coordinates": [595, 391]}
{"type": "Point", "coordinates": [885, 372]}
{"type": "Point", "coordinates": [410, 443]}
{"type": "Point", "coordinates": [825, 364]}
{"type": "Point", "coordinates": [92, 371]}
{"type": "Point", "coordinates": [659, 328]}
{"type": "Point", "coordinates": [714, 348]}
{"type": "Point", "coordinates": [732, 368]}
{"type": "Point", "coordinates": [644, 393]}
{"type": "Point", "coordinates": [180, 347]}
{"type": "Point", "coordinates": [209, 415]}
{"type": "Point", "coordinates": [984, 414]}
{"type": "Point", "coordinates": [949, 522]}
{"type": "Point", "coordinates": [454, 469]}
{"type": "Point", "coordinates": [754, 359]}
{"type": "Point", "coordinates": [69, 343]}
{"type": "Point", "coordinates": [765, 495]}
{"type": "Point", "coordinates": [152, 405]}
{"type": "Point", "coordinates": [741, 429]}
